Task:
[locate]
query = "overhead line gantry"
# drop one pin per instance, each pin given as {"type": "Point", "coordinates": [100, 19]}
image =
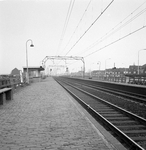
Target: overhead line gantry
{"type": "Point", "coordinates": [64, 58]}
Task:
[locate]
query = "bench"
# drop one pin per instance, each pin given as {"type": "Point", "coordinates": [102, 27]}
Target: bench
{"type": "Point", "coordinates": [5, 94]}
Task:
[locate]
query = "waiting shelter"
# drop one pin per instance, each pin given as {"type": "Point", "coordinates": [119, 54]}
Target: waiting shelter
{"type": "Point", "coordinates": [33, 72]}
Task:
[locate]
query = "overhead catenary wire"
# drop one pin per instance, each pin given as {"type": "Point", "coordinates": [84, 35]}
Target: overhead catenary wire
{"type": "Point", "coordinates": [70, 8]}
{"type": "Point", "coordinates": [90, 27]}
{"type": "Point", "coordinates": [129, 21]}
{"type": "Point", "coordinates": [78, 24]}
{"type": "Point", "coordinates": [127, 35]}
{"type": "Point", "coordinates": [116, 40]}
{"type": "Point", "coordinates": [116, 28]}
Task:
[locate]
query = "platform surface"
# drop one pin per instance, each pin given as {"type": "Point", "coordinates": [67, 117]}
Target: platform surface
{"type": "Point", "coordinates": [43, 116]}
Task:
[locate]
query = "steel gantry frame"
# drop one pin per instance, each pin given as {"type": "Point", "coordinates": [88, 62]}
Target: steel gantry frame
{"type": "Point", "coordinates": [64, 58]}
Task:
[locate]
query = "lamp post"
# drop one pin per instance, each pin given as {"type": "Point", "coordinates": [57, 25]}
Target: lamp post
{"type": "Point", "coordinates": [31, 45]}
{"type": "Point", "coordinates": [91, 70]}
{"type": "Point", "coordinates": [99, 63]}
{"type": "Point", "coordinates": [138, 59]}
{"type": "Point", "coordinates": [105, 62]}
{"type": "Point", "coordinates": [105, 67]}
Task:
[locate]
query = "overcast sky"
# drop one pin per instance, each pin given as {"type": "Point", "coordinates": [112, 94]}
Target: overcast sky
{"type": "Point", "coordinates": [57, 30]}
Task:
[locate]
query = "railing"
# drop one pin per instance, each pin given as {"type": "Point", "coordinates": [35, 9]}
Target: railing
{"type": "Point", "coordinates": [119, 79]}
{"type": "Point", "coordinates": [5, 83]}
{"type": "Point", "coordinates": [10, 83]}
{"type": "Point", "coordinates": [14, 82]}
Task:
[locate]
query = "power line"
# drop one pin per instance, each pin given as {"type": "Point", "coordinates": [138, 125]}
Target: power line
{"type": "Point", "coordinates": [117, 40]}
{"type": "Point", "coordinates": [70, 8]}
{"type": "Point", "coordinates": [135, 31]}
{"type": "Point", "coordinates": [64, 24]}
{"type": "Point", "coordinates": [116, 28]}
{"type": "Point", "coordinates": [77, 25]}
{"type": "Point", "coordinates": [90, 27]}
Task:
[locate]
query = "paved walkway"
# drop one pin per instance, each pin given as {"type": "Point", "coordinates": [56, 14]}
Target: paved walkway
{"type": "Point", "coordinates": [44, 117]}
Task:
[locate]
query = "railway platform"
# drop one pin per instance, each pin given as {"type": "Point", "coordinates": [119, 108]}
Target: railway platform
{"type": "Point", "coordinates": [43, 116]}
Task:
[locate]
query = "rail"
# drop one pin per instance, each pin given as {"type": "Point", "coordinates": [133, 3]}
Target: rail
{"type": "Point", "coordinates": [129, 127]}
{"type": "Point", "coordinates": [137, 89]}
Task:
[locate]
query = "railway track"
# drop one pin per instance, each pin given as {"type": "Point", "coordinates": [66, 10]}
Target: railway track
{"type": "Point", "coordinates": [129, 128]}
{"type": "Point", "coordinates": [138, 103]}
{"type": "Point", "coordinates": [135, 97]}
{"type": "Point", "coordinates": [130, 95]}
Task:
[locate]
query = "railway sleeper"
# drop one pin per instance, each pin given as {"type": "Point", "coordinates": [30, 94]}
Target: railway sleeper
{"type": "Point", "coordinates": [131, 122]}
{"type": "Point", "coordinates": [105, 110]}
{"type": "Point", "coordinates": [133, 127]}
{"type": "Point", "coordinates": [117, 118]}
{"type": "Point", "coordinates": [113, 114]}
{"type": "Point", "coordinates": [135, 132]}
{"type": "Point", "coordinates": [138, 139]}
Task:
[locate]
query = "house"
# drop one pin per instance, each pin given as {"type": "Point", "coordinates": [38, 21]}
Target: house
{"type": "Point", "coordinates": [15, 72]}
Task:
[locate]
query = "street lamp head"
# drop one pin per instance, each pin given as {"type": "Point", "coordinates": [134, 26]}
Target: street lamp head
{"type": "Point", "coordinates": [31, 45]}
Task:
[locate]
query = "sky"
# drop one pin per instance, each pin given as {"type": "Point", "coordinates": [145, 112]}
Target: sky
{"type": "Point", "coordinates": [105, 32]}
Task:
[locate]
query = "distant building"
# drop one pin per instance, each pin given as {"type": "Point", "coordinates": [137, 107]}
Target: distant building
{"type": "Point", "coordinates": [143, 68]}
{"type": "Point", "coordinates": [134, 77]}
{"type": "Point", "coordinates": [97, 74]}
{"type": "Point", "coordinates": [79, 73]}
{"type": "Point", "coordinates": [15, 72]}
{"type": "Point", "coordinates": [16, 76]}
{"type": "Point", "coordinates": [133, 69]}
{"type": "Point", "coordinates": [116, 74]}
